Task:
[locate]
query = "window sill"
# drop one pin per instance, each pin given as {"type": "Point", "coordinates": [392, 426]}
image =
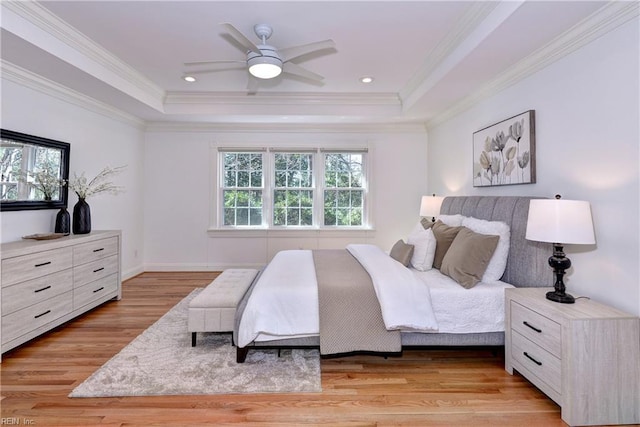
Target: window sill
{"type": "Point", "coordinates": [291, 233]}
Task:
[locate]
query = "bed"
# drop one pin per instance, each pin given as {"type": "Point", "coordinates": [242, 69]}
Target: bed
{"type": "Point", "coordinates": [526, 266]}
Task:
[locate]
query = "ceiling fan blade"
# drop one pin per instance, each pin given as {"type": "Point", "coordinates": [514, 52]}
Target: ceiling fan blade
{"type": "Point", "coordinates": [215, 70]}
{"type": "Point", "coordinates": [252, 84]}
{"type": "Point", "coordinates": [223, 61]}
{"type": "Point", "coordinates": [289, 53]}
{"type": "Point", "coordinates": [241, 38]}
{"type": "Point", "coordinates": [291, 68]}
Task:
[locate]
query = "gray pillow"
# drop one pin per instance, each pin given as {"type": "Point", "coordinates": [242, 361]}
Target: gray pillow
{"type": "Point", "coordinates": [402, 252]}
{"type": "Point", "coordinates": [468, 257]}
{"type": "Point", "coordinates": [444, 236]}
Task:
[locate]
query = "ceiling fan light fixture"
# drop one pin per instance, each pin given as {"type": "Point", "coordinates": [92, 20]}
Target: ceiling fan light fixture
{"type": "Point", "coordinates": [264, 67]}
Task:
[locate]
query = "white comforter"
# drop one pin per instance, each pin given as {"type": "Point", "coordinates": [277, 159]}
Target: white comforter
{"type": "Point", "coordinates": [404, 299]}
{"type": "Point", "coordinates": [284, 302]}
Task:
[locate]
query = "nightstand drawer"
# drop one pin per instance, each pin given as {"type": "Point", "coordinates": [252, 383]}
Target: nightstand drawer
{"type": "Point", "coordinates": [33, 291]}
{"type": "Point", "coordinates": [26, 267]}
{"type": "Point", "coordinates": [92, 251]}
{"type": "Point", "coordinates": [539, 329]}
{"type": "Point", "coordinates": [542, 364]}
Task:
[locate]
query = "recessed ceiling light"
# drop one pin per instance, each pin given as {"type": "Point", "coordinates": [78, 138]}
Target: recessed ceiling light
{"type": "Point", "coordinates": [366, 79]}
{"type": "Point", "coordinates": [189, 79]}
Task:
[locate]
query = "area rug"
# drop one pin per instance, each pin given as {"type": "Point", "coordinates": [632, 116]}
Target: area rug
{"type": "Point", "coordinates": [161, 361]}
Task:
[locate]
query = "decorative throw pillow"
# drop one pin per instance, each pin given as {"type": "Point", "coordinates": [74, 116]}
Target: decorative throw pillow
{"type": "Point", "coordinates": [401, 252]}
{"type": "Point", "coordinates": [424, 247]}
{"type": "Point", "coordinates": [452, 220]}
{"type": "Point", "coordinates": [498, 262]}
{"type": "Point", "coordinates": [468, 257]}
{"type": "Point", "coordinates": [444, 236]}
{"type": "Point", "coordinates": [426, 223]}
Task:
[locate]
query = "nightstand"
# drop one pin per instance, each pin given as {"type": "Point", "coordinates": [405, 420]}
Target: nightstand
{"type": "Point", "coordinates": [584, 356]}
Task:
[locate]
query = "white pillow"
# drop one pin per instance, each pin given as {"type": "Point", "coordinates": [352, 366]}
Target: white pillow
{"type": "Point", "coordinates": [498, 261]}
{"type": "Point", "coordinates": [424, 247]}
{"type": "Point", "coordinates": [451, 220]}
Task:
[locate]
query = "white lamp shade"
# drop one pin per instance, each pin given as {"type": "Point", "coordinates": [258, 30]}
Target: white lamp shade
{"type": "Point", "coordinates": [430, 205]}
{"type": "Point", "coordinates": [560, 221]}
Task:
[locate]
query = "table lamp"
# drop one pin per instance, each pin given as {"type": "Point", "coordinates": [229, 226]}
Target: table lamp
{"type": "Point", "coordinates": [560, 222]}
{"type": "Point", "coordinates": [430, 206]}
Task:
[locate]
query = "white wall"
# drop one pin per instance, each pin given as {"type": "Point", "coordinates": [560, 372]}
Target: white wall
{"type": "Point", "coordinates": [96, 141]}
{"type": "Point", "coordinates": [178, 188]}
{"type": "Point", "coordinates": [587, 139]}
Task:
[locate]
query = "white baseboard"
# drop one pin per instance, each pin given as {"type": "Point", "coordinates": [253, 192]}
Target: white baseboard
{"type": "Point", "coordinates": [132, 272]}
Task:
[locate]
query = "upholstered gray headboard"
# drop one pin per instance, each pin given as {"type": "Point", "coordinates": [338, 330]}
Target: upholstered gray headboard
{"type": "Point", "coordinates": [527, 265]}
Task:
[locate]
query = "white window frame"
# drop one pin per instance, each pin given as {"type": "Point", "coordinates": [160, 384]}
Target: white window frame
{"type": "Point", "coordinates": [268, 163]}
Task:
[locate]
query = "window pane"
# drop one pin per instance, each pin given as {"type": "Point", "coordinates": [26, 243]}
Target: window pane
{"type": "Point", "coordinates": [229, 216]}
{"type": "Point", "coordinates": [242, 216]}
{"type": "Point", "coordinates": [293, 171]}
{"type": "Point", "coordinates": [293, 216]}
{"type": "Point", "coordinates": [306, 216]}
{"type": "Point", "coordinates": [256, 216]}
{"type": "Point", "coordinates": [243, 179]}
{"type": "Point", "coordinates": [230, 179]}
{"type": "Point", "coordinates": [242, 207]}
{"type": "Point", "coordinates": [343, 197]}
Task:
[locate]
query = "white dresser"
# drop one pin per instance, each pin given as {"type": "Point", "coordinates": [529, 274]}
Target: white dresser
{"type": "Point", "coordinates": [47, 282]}
{"type": "Point", "coordinates": [585, 356]}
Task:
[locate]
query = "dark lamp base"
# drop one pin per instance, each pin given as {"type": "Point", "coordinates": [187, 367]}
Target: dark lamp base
{"type": "Point", "coordinates": [560, 297]}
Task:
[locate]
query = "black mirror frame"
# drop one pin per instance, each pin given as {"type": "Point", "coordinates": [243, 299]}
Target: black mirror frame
{"type": "Point", "coordinates": [64, 191]}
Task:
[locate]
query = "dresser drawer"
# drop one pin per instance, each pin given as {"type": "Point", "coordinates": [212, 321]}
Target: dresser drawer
{"type": "Point", "coordinates": [27, 267]}
{"type": "Point", "coordinates": [95, 270]}
{"type": "Point", "coordinates": [26, 320]}
{"type": "Point", "coordinates": [543, 365]}
{"type": "Point", "coordinates": [539, 329]}
{"type": "Point", "coordinates": [92, 251]}
{"type": "Point", "coordinates": [94, 291]}
{"type": "Point", "coordinates": [33, 291]}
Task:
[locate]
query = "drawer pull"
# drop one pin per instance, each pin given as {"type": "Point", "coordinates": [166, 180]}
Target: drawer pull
{"type": "Point", "coordinates": [532, 359]}
{"type": "Point", "coordinates": [42, 264]}
{"type": "Point", "coordinates": [98, 290]}
{"type": "Point", "coordinates": [525, 323]}
{"type": "Point", "coordinates": [99, 269]}
{"type": "Point", "coordinates": [98, 250]}
{"type": "Point", "coordinates": [41, 314]}
{"type": "Point", "coordinates": [42, 289]}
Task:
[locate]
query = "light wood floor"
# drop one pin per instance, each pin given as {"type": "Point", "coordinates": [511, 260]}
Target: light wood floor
{"type": "Point", "coordinates": [423, 387]}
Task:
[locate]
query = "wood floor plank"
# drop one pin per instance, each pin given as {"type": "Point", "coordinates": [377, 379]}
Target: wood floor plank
{"type": "Point", "coordinates": [436, 387]}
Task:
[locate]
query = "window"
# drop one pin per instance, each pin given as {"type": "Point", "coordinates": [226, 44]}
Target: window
{"type": "Point", "coordinates": [242, 189]}
{"type": "Point", "coordinates": [292, 188]}
{"type": "Point", "coordinates": [343, 189]}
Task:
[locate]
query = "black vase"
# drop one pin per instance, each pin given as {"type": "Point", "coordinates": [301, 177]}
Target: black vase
{"type": "Point", "coordinates": [63, 221]}
{"type": "Point", "coordinates": [81, 218]}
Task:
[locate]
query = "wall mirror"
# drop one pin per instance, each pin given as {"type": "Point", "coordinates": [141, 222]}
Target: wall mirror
{"type": "Point", "coordinates": [34, 172]}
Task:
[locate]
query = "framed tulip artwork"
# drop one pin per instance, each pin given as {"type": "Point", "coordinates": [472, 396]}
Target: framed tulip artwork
{"type": "Point", "coordinates": [505, 153]}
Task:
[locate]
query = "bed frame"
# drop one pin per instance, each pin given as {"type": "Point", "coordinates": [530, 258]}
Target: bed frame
{"type": "Point", "coordinates": [526, 267]}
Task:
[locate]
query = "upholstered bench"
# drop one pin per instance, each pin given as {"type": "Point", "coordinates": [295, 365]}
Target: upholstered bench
{"type": "Point", "coordinates": [214, 309]}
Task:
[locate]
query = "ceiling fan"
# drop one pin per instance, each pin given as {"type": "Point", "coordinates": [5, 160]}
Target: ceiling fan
{"type": "Point", "coordinates": [264, 61]}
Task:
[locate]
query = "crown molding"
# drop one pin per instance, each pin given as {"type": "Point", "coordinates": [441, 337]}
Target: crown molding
{"type": "Point", "coordinates": [282, 98]}
{"type": "Point", "coordinates": [609, 17]}
{"type": "Point", "coordinates": [285, 127]}
{"type": "Point", "coordinates": [26, 78]}
{"type": "Point", "coordinates": [475, 13]}
{"type": "Point", "coordinates": [43, 19]}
